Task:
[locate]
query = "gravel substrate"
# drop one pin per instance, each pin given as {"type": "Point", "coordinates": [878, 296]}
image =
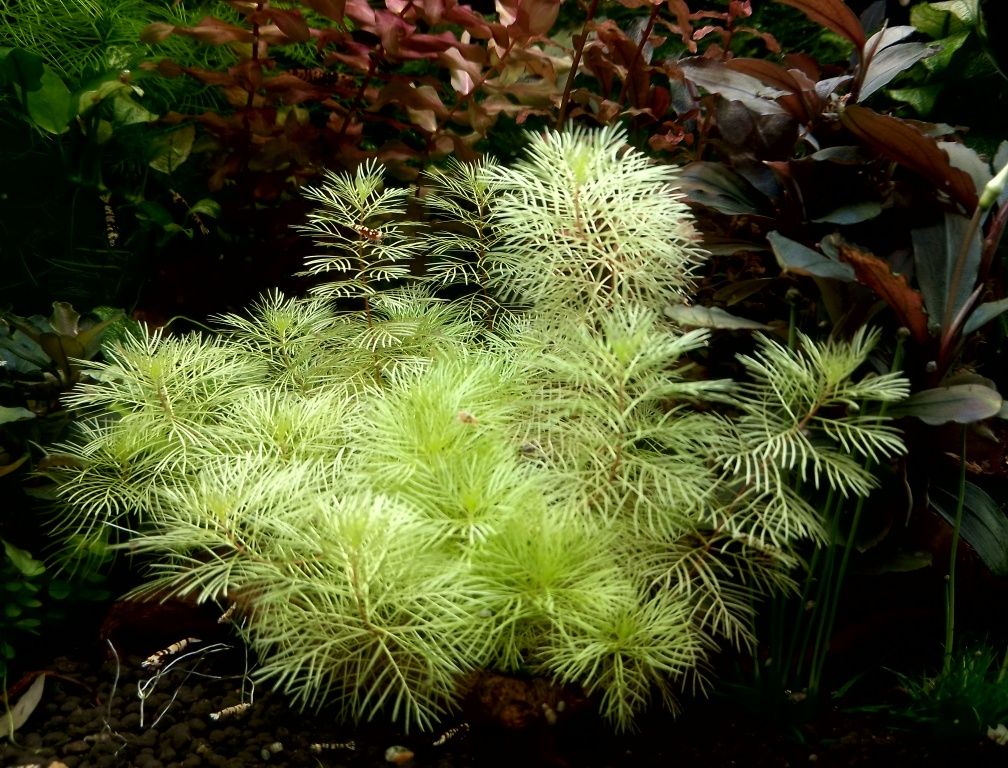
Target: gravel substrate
{"type": "Point", "coordinates": [107, 710]}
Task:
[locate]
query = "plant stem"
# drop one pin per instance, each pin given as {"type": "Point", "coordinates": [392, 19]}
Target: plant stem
{"type": "Point", "coordinates": [951, 579]}
{"type": "Point", "coordinates": [575, 63]}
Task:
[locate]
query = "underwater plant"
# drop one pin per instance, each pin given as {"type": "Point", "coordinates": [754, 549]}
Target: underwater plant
{"type": "Point", "coordinates": [505, 461]}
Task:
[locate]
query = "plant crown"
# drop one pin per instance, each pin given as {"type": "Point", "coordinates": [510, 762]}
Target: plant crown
{"type": "Point", "coordinates": [507, 460]}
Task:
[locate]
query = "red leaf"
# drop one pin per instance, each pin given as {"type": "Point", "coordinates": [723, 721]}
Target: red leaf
{"type": "Point", "coordinates": [894, 290]}
{"type": "Point", "coordinates": [211, 30]}
{"type": "Point", "coordinates": [331, 9]}
{"type": "Point", "coordinates": [902, 143]}
{"type": "Point", "coordinates": [536, 17]}
{"type": "Point", "coordinates": [834, 15]}
{"type": "Point", "coordinates": [291, 24]}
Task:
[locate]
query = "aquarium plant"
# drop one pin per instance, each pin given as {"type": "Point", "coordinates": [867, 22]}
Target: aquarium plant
{"type": "Point", "coordinates": [481, 443]}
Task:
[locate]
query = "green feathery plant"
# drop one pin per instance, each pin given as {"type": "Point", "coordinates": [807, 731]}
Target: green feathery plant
{"type": "Point", "coordinates": [505, 462]}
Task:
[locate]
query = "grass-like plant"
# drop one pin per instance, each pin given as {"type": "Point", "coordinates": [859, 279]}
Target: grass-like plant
{"type": "Point", "coordinates": [397, 488]}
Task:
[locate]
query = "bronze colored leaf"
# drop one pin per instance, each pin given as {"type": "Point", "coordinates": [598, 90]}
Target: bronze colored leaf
{"type": "Point", "coordinates": [894, 290]}
{"type": "Point", "coordinates": [331, 9]}
{"type": "Point", "coordinates": [291, 24]}
{"type": "Point", "coordinates": [834, 15]}
{"type": "Point", "coordinates": [902, 143]}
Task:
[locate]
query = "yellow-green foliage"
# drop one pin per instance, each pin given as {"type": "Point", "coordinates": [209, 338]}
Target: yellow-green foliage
{"type": "Point", "coordinates": [518, 478]}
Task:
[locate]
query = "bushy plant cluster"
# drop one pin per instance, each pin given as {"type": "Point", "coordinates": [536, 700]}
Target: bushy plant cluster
{"type": "Point", "coordinates": [505, 460]}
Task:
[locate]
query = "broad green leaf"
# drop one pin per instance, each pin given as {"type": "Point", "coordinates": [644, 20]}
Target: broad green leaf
{"type": "Point", "coordinates": [27, 565]}
{"type": "Point", "coordinates": [92, 96]}
{"type": "Point", "coordinates": [51, 106]}
{"type": "Point", "coordinates": [922, 98]}
{"type": "Point", "coordinates": [172, 149]}
{"type": "Point", "coordinates": [966, 11]}
{"type": "Point", "coordinates": [13, 414]}
{"type": "Point", "coordinates": [984, 524]}
{"type": "Point", "coordinates": [932, 21]}
{"type": "Point", "coordinates": [21, 68]}
{"type": "Point", "coordinates": [984, 314]}
{"type": "Point", "coordinates": [127, 112]}
{"type": "Point", "coordinates": [206, 207]}
{"type": "Point", "coordinates": [960, 403]}
{"type": "Point", "coordinates": [710, 317]}
{"type": "Point", "coordinates": [946, 51]}
{"type": "Point", "coordinates": [799, 259]}
{"type": "Point", "coordinates": [16, 716]}
{"type": "Point", "coordinates": [851, 214]}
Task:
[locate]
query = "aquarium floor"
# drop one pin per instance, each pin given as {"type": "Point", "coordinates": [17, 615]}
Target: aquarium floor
{"type": "Point", "coordinates": [90, 714]}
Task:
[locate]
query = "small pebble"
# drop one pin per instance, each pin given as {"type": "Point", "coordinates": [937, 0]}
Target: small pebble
{"type": "Point", "coordinates": [398, 755]}
{"type": "Point", "coordinates": [76, 747]}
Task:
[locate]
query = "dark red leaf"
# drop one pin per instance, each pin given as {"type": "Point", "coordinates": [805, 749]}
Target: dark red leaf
{"type": "Point", "coordinates": [290, 23]}
{"type": "Point", "coordinates": [331, 9]}
{"type": "Point", "coordinates": [834, 15]}
{"type": "Point", "coordinates": [902, 143]}
{"type": "Point", "coordinates": [894, 290]}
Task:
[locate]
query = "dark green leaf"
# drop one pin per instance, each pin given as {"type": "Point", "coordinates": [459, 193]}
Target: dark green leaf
{"type": "Point", "coordinates": [961, 403]}
{"type": "Point", "coordinates": [984, 314]}
{"type": "Point", "coordinates": [172, 149]}
{"type": "Point", "coordinates": [51, 106]}
{"type": "Point", "coordinates": [984, 525]}
{"type": "Point", "coordinates": [922, 98]}
{"type": "Point", "coordinates": [717, 186]}
{"type": "Point", "coordinates": [127, 112]}
{"type": "Point", "coordinates": [851, 214]}
{"type": "Point", "coordinates": [27, 565]}
{"type": "Point", "coordinates": [16, 413]}
{"type": "Point", "coordinates": [21, 68]}
{"type": "Point", "coordinates": [206, 207]}
{"type": "Point", "coordinates": [799, 259]}
{"type": "Point", "coordinates": [59, 589]}
{"type": "Point", "coordinates": [936, 249]}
